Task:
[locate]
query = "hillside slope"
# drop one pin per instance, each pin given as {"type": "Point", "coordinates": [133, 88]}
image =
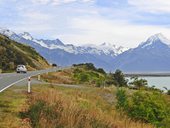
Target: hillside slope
{"type": "Point", "coordinates": [83, 74]}
{"type": "Point", "coordinates": [13, 54]}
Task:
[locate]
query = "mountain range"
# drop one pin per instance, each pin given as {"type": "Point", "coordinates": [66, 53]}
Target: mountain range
{"type": "Point", "coordinates": [153, 55]}
{"type": "Point", "coordinates": [57, 52]}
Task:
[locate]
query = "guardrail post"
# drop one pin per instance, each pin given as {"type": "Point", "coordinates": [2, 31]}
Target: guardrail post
{"type": "Point", "coordinates": [29, 84]}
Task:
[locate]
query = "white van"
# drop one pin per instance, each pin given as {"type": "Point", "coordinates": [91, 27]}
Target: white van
{"type": "Point", "coordinates": [21, 69]}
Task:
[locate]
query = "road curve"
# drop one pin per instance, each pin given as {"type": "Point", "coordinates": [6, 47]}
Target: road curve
{"type": "Point", "coordinates": [9, 79]}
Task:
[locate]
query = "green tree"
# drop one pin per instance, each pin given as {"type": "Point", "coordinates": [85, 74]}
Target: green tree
{"type": "Point", "coordinates": [101, 70]}
{"type": "Point", "coordinates": [119, 78]}
{"type": "Point", "coordinates": [138, 83]}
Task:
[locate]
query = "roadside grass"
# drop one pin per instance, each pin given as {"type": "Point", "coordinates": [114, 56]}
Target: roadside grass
{"type": "Point", "coordinates": [12, 101]}
{"type": "Point", "coordinates": [75, 108]}
{"type": "Point", "coordinates": [55, 106]}
{"type": "Point", "coordinates": [59, 77]}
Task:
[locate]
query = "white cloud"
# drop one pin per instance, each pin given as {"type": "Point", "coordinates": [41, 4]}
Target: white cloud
{"type": "Point", "coordinates": [99, 30]}
{"type": "Point", "coordinates": [59, 2]}
{"type": "Point", "coordinates": [36, 15]}
{"type": "Point", "coordinates": [153, 6]}
{"type": "Point", "coordinates": [81, 24]}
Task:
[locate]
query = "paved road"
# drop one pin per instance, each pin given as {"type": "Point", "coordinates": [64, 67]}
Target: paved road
{"type": "Point", "coordinates": [9, 79]}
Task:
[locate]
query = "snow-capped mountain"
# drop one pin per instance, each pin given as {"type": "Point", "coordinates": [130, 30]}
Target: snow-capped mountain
{"type": "Point", "coordinates": [155, 40]}
{"type": "Point", "coordinates": [105, 48]}
{"type": "Point", "coordinates": [151, 55]}
{"type": "Point", "coordinates": [6, 32]}
{"type": "Point", "coordinates": [55, 51]}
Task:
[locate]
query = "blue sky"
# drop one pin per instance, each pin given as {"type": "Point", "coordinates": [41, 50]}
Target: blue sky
{"type": "Point", "coordinates": [120, 22]}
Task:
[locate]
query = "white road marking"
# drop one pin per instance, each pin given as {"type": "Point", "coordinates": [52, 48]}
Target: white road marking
{"type": "Point", "coordinates": [12, 84]}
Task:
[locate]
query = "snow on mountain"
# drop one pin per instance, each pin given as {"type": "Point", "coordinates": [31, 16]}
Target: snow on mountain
{"type": "Point", "coordinates": [105, 48]}
{"type": "Point", "coordinates": [6, 32]}
{"type": "Point", "coordinates": [26, 36]}
{"type": "Point", "coordinates": [157, 38]}
{"type": "Point", "coordinates": [55, 51]}
{"type": "Point", "coordinates": [150, 56]}
{"type": "Point", "coordinates": [52, 43]}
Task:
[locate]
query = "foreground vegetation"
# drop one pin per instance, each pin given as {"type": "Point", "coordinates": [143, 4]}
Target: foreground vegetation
{"type": "Point", "coordinates": [91, 104]}
{"type": "Point", "coordinates": [143, 103]}
{"type": "Point", "coordinates": [149, 107]}
{"type": "Point", "coordinates": [56, 107]}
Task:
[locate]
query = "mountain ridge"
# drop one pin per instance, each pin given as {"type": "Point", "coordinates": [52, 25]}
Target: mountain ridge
{"type": "Point", "coordinates": [150, 55]}
{"type": "Point", "coordinates": [55, 51]}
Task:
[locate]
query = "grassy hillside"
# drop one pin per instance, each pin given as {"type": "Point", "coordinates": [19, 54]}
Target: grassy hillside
{"type": "Point", "coordinates": [85, 74]}
{"type": "Point", "coordinates": [13, 54]}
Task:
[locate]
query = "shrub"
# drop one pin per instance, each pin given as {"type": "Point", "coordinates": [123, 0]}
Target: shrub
{"type": "Point", "coordinates": [122, 100]}
{"type": "Point", "coordinates": [139, 83]}
{"type": "Point", "coordinates": [168, 92]}
{"type": "Point", "coordinates": [119, 78]}
{"type": "Point", "coordinates": [83, 77]}
{"type": "Point", "coordinates": [150, 107]}
{"type": "Point", "coordinates": [34, 113]}
{"type": "Point", "coordinates": [110, 79]}
{"type": "Point", "coordinates": [101, 70]}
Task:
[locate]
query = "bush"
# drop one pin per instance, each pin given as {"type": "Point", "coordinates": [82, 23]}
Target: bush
{"type": "Point", "coordinates": [34, 113]}
{"type": "Point", "coordinates": [139, 83]}
{"type": "Point", "coordinates": [82, 75]}
{"type": "Point", "coordinates": [122, 100]}
{"type": "Point", "coordinates": [150, 107]}
{"type": "Point", "coordinates": [101, 70]}
{"type": "Point", "coordinates": [120, 79]}
{"type": "Point", "coordinates": [90, 66]}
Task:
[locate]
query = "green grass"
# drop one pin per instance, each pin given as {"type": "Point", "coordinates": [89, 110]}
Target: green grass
{"type": "Point", "coordinates": [12, 101]}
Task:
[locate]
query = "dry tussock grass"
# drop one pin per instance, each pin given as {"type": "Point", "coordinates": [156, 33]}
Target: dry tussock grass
{"type": "Point", "coordinates": [63, 111]}
{"type": "Point", "coordinates": [62, 77]}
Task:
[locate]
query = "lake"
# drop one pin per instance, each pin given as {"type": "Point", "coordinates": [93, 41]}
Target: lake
{"type": "Point", "coordinates": [158, 82]}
